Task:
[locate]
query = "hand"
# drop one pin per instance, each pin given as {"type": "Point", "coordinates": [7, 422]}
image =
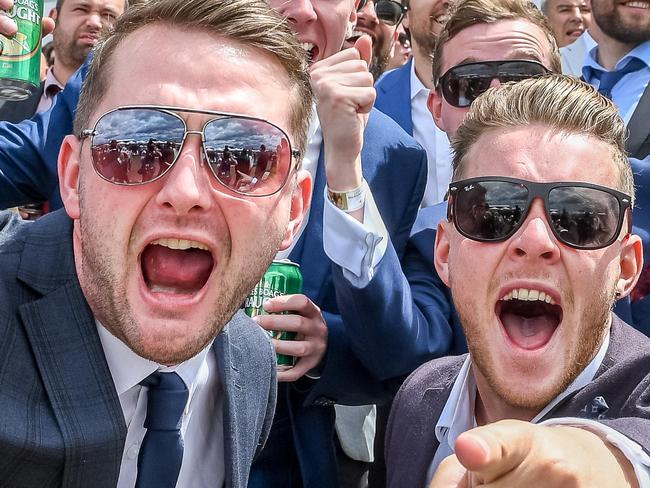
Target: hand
{"type": "Point", "coordinates": [344, 93]}
{"type": "Point", "coordinates": [515, 453]}
{"type": "Point", "coordinates": [311, 332]}
{"type": "Point", "coordinates": [8, 26]}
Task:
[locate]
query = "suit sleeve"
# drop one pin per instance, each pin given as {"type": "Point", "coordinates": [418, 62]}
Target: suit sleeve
{"type": "Point", "coordinates": [29, 150]}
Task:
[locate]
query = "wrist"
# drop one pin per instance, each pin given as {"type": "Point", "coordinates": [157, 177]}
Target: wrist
{"type": "Point", "coordinates": [349, 201]}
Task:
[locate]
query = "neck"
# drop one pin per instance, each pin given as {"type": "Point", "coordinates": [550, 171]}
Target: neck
{"type": "Point", "coordinates": [489, 408]}
{"type": "Point", "coordinates": [62, 73]}
{"type": "Point", "coordinates": [610, 51]}
{"type": "Point", "coordinates": [423, 66]}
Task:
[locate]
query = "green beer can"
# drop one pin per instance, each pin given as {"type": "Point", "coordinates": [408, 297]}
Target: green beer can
{"type": "Point", "coordinates": [20, 59]}
{"type": "Point", "coordinates": [282, 278]}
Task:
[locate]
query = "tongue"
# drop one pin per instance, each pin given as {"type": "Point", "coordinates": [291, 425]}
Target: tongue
{"type": "Point", "coordinates": [529, 332]}
{"type": "Point", "coordinates": [175, 270]}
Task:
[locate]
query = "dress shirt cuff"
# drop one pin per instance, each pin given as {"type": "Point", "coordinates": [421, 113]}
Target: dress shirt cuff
{"type": "Point", "coordinates": [630, 449]}
{"type": "Point", "coordinates": [356, 247]}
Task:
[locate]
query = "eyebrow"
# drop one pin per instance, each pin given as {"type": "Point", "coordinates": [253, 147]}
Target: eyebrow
{"type": "Point", "coordinates": [527, 54]}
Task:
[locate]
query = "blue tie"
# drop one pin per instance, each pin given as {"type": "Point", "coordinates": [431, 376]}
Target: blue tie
{"type": "Point", "coordinates": [161, 454]}
{"type": "Point", "coordinates": [608, 79]}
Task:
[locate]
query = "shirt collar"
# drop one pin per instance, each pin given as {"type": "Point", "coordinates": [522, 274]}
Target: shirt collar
{"type": "Point", "coordinates": [51, 81]}
{"type": "Point", "coordinates": [592, 66]}
{"type": "Point", "coordinates": [128, 369]}
{"type": "Point", "coordinates": [416, 85]}
{"type": "Point", "coordinates": [458, 413]}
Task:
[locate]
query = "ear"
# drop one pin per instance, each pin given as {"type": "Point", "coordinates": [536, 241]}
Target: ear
{"type": "Point", "coordinates": [53, 13]}
{"type": "Point", "coordinates": [434, 104]}
{"type": "Point", "coordinates": [353, 14]}
{"type": "Point", "coordinates": [631, 264]}
{"type": "Point", "coordinates": [300, 200]}
{"type": "Point", "coordinates": [441, 251]}
{"type": "Point", "coordinates": [68, 169]}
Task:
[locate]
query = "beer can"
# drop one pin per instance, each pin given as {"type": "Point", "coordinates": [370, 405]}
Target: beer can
{"type": "Point", "coordinates": [20, 59]}
{"type": "Point", "coordinates": [282, 278]}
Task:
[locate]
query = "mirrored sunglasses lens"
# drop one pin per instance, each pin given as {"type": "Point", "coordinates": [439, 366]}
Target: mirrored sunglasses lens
{"type": "Point", "coordinates": [584, 217]}
{"type": "Point", "coordinates": [462, 91]}
{"type": "Point", "coordinates": [388, 12]}
{"type": "Point", "coordinates": [134, 146]}
{"type": "Point", "coordinates": [252, 157]}
{"type": "Point", "coordinates": [519, 70]}
{"type": "Point", "coordinates": [489, 210]}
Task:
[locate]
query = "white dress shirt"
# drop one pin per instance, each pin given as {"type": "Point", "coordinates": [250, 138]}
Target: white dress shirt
{"type": "Point", "coordinates": [51, 88]}
{"type": "Point", "coordinates": [202, 424]}
{"type": "Point", "coordinates": [434, 141]}
{"type": "Point", "coordinates": [458, 416]}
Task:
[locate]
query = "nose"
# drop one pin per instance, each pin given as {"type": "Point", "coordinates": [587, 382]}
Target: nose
{"type": "Point", "coordinates": [186, 188]}
{"type": "Point", "coordinates": [534, 240]}
{"type": "Point", "coordinates": [297, 11]}
{"type": "Point", "coordinates": [94, 21]}
{"type": "Point", "coordinates": [367, 16]}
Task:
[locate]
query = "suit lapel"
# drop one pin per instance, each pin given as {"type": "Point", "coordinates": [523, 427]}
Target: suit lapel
{"type": "Point", "coordinates": [235, 413]}
{"type": "Point", "coordinates": [70, 358]}
{"type": "Point", "coordinates": [309, 252]}
{"type": "Point", "coordinates": [637, 127]}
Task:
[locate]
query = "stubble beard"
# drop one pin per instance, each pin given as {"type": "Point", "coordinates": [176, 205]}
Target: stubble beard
{"type": "Point", "coordinates": [611, 23]}
{"type": "Point", "coordinates": [592, 324]}
{"type": "Point", "coordinates": [105, 290]}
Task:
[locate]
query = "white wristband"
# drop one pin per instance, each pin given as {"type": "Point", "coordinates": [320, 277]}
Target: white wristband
{"type": "Point", "coordinates": [349, 201]}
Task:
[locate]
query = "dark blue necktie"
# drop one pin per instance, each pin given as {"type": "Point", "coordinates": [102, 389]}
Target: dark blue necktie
{"type": "Point", "coordinates": [161, 454]}
{"type": "Point", "coordinates": [608, 79]}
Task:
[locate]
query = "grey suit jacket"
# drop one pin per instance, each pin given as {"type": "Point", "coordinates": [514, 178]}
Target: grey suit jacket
{"type": "Point", "coordinates": [61, 424]}
{"type": "Point", "coordinates": [623, 380]}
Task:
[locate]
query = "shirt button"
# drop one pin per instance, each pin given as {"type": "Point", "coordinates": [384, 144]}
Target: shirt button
{"type": "Point", "coordinates": [132, 452]}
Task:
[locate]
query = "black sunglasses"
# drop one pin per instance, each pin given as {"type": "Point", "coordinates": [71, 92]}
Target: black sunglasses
{"type": "Point", "coordinates": [388, 12]}
{"type": "Point", "coordinates": [582, 215]}
{"type": "Point", "coordinates": [462, 84]}
{"type": "Point", "coordinates": [134, 145]}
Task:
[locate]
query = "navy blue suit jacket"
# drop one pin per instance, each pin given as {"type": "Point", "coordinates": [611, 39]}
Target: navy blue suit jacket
{"type": "Point", "coordinates": [394, 166]}
{"type": "Point", "coordinates": [394, 96]}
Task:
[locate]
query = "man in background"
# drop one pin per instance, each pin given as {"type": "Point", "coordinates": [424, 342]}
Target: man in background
{"type": "Point", "coordinates": [568, 19]}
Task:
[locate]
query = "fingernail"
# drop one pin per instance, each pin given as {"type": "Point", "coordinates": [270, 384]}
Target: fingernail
{"type": "Point", "coordinates": [266, 305]}
{"type": "Point", "coordinates": [480, 442]}
{"type": "Point", "coordinates": [8, 25]}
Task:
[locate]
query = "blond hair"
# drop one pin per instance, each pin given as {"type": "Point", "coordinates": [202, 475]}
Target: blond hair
{"type": "Point", "coordinates": [250, 22]}
{"type": "Point", "coordinates": [562, 103]}
{"type": "Point", "coordinates": [466, 13]}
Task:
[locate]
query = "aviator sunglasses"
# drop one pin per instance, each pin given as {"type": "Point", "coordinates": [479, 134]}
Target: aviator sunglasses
{"type": "Point", "coordinates": [462, 84]}
{"type": "Point", "coordinates": [388, 12]}
{"type": "Point", "coordinates": [581, 215]}
{"type": "Point", "coordinates": [134, 145]}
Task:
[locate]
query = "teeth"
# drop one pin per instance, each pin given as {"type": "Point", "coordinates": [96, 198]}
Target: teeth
{"type": "Point", "coordinates": [638, 4]}
{"type": "Point", "coordinates": [442, 19]}
{"type": "Point", "coordinates": [307, 46]}
{"type": "Point", "coordinates": [525, 294]}
{"type": "Point", "coordinates": [181, 244]}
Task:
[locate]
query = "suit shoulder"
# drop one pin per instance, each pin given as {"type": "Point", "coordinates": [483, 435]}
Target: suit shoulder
{"type": "Point", "coordinates": [390, 78]}
{"type": "Point", "coordinates": [436, 374]}
{"type": "Point", "coordinates": [383, 131]}
{"type": "Point", "coordinates": [13, 231]}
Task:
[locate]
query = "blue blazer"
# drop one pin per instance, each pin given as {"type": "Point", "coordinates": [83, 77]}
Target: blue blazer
{"type": "Point", "coordinates": [394, 96]}
{"type": "Point", "coordinates": [62, 424]}
{"type": "Point", "coordinates": [394, 166]}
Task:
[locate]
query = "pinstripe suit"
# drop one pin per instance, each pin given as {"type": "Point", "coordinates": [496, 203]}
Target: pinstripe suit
{"type": "Point", "coordinates": [61, 421]}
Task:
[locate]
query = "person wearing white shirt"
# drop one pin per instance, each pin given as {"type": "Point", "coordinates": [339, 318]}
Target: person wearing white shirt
{"type": "Point", "coordinates": [534, 271]}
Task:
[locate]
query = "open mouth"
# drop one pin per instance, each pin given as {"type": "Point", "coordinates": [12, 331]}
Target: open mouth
{"type": "Point", "coordinates": [176, 266]}
{"type": "Point", "coordinates": [575, 32]}
{"type": "Point", "coordinates": [441, 19]}
{"type": "Point", "coordinates": [312, 51]}
{"type": "Point", "coordinates": [529, 317]}
{"type": "Point", "coordinates": [635, 4]}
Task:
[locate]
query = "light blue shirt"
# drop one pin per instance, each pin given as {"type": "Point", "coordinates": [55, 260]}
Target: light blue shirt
{"type": "Point", "coordinates": [627, 92]}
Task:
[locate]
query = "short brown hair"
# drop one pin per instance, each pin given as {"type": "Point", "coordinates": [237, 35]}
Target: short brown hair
{"type": "Point", "coordinates": [563, 103]}
{"type": "Point", "coordinates": [250, 22]}
{"type": "Point", "coordinates": [466, 13]}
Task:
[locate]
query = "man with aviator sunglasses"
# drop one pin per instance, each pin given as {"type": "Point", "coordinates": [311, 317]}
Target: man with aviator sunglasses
{"type": "Point", "coordinates": [535, 254]}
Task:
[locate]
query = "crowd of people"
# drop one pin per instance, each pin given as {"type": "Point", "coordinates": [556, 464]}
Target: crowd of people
{"type": "Point", "coordinates": [470, 224]}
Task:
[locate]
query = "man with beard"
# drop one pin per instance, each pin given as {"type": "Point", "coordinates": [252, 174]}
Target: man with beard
{"type": "Point", "coordinates": [402, 94]}
{"type": "Point", "coordinates": [379, 19]}
{"type": "Point", "coordinates": [78, 25]}
{"type": "Point", "coordinates": [554, 390]}
{"type": "Point", "coordinates": [125, 359]}
{"type": "Point", "coordinates": [619, 67]}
